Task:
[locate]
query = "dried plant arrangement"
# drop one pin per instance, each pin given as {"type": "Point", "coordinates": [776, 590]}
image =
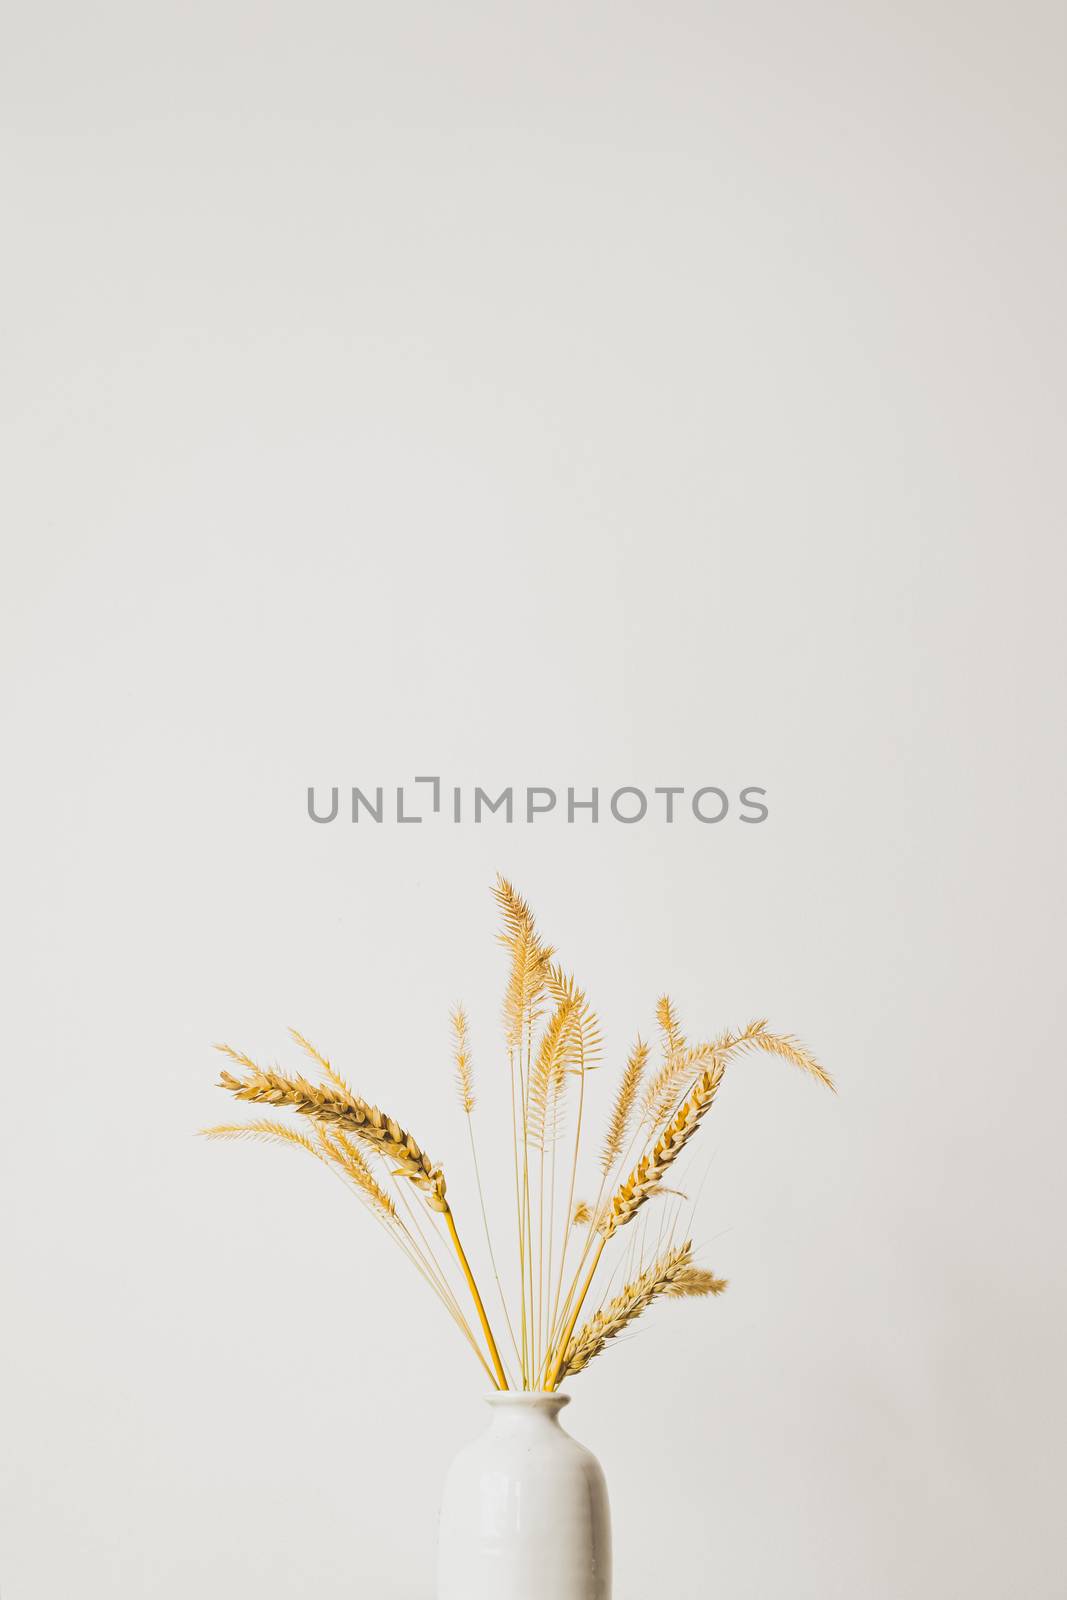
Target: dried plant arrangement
{"type": "Point", "coordinates": [561, 1244]}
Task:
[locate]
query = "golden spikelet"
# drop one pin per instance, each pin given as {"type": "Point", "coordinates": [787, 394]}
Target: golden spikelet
{"type": "Point", "coordinates": [336, 1106]}
{"type": "Point", "coordinates": [341, 1150]}
{"type": "Point", "coordinates": [310, 1050]}
{"type": "Point", "coordinates": [756, 1037]}
{"type": "Point", "coordinates": [622, 1110]}
{"type": "Point", "coordinates": [625, 1308]}
{"type": "Point", "coordinates": [646, 1176]}
{"type": "Point", "coordinates": [675, 1076]}
{"type": "Point", "coordinates": [586, 1044]}
{"type": "Point", "coordinates": [669, 1026]}
{"type": "Point", "coordinates": [570, 1044]}
{"type": "Point", "coordinates": [685, 1120]}
{"type": "Point", "coordinates": [677, 1072]}
{"type": "Point", "coordinates": [239, 1056]}
{"type": "Point", "coordinates": [529, 963]}
{"type": "Point", "coordinates": [319, 1059]}
{"type": "Point", "coordinates": [583, 1215]}
{"type": "Point", "coordinates": [263, 1129]}
{"type": "Point", "coordinates": [663, 1088]}
{"type": "Point", "coordinates": [462, 1057]}
{"type": "Point", "coordinates": [693, 1282]}
{"type": "Point", "coordinates": [549, 1075]}
{"type": "Point", "coordinates": [514, 910]}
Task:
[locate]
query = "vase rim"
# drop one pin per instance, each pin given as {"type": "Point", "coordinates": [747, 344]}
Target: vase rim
{"type": "Point", "coordinates": [535, 1399]}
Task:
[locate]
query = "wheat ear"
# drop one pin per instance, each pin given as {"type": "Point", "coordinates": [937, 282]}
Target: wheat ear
{"type": "Point", "coordinates": [335, 1148]}
{"type": "Point", "coordinates": [461, 1055]}
{"type": "Point", "coordinates": [529, 962]}
{"type": "Point", "coordinates": [669, 1026]}
{"type": "Point", "coordinates": [643, 1182]}
{"type": "Point", "coordinates": [675, 1075]}
{"type": "Point", "coordinates": [548, 1074]}
{"type": "Point", "coordinates": [530, 959]}
{"type": "Point", "coordinates": [646, 1177]}
{"type": "Point", "coordinates": [341, 1150]}
{"type": "Point", "coordinates": [757, 1037]}
{"type": "Point", "coordinates": [672, 1274]}
{"type": "Point", "coordinates": [331, 1104]}
{"type": "Point", "coordinates": [695, 1281]}
{"type": "Point", "coordinates": [622, 1110]}
{"type": "Point", "coordinates": [336, 1106]}
{"type": "Point", "coordinates": [263, 1130]}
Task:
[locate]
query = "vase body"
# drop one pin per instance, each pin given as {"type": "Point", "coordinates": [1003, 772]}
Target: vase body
{"type": "Point", "coordinates": [525, 1511]}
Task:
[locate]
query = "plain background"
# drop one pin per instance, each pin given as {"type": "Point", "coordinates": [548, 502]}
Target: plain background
{"type": "Point", "coordinates": [533, 394]}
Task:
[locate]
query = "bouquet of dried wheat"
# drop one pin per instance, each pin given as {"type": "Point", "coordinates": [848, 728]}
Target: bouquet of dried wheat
{"type": "Point", "coordinates": [553, 1044]}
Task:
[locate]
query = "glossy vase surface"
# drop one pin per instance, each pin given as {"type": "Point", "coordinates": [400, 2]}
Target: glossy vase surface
{"type": "Point", "coordinates": [525, 1511]}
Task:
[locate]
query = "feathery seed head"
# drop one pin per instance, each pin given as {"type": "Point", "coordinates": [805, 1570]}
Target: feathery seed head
{"type": "Point", "coordinates": [626, 1307]}
{"type": "Point", "coordinates": [647, 1174]}
{"type": "Point", "coordinates": [333, 1105]}
{"type": "Point", "coordinates": [622, 1110]}
{"type": "Point", "coordinates": [461, 1055]}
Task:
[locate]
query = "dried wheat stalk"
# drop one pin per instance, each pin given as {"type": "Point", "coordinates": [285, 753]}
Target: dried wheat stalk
{"type": "Point", "coordinates": [548, 1078]}
{"type": "Point", "coordinates": [340, 1149]}
{"type": "Point", "coordinates": [584, 1027]}
{"type": "Point", "coordinates": [669, 1026]}
{"type": "Point", "coordinates": [632, 1193]}
{"type": "Point", "coordinates": [622, 1110]}
{"type": "Point", "coordinates": [263, 1130]}
{"type": "Point", "coordinates": [462, 1057]}
{"type": "Point", "coordinates": [695, 1281]}
{"type": "Point", "coordinates": [673, 1274]}
{"type": "Point", "coordinates": [756, 1037]}
{"type": "Point", "coordinates": [340, 1107]}
{"type": "Point", "coordinates": [653, 1117]}
{"type": "Point", "coordinates": [330, 1147]}
{"type": "Point", "coordinates": [530, 960]}
{"type": "Point", "coordinates": [677, 1073]}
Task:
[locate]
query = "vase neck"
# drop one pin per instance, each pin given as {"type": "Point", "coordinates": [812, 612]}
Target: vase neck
{"type": "Point", "coordinates": [515, 1409]}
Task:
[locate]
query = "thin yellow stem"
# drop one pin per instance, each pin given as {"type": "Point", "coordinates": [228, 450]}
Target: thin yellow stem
{"type": "Point", "coordinates": [489, 1239]}
{"type": "Point", "coordinates": [541, 1248]}
{"type": "Point", "coordinates": [551, 1236]}
{"type": "Point", "coordinates": [552, 1379]}
{"type": "Point", "coordinates": [570, 1197]}
{"type": "Point", "coordinates": [494, 1353]}
{"type": "Point", "coordinates": [433, 1271]}
{"type": "Point", "coordinates": [526, 1206]}
{"type": "Point", "coordinates": [623, 1164]}
{"type": "Point", "coordinates": [518, 1214]}
{"type": "Point", "coordinates": [427, 1268]}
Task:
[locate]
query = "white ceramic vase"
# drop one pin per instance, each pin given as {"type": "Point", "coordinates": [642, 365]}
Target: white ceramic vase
{"type": "Point", "coordinates": [525, 1511]}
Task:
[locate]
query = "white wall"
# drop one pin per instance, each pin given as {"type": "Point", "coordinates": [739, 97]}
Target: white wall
{"type": "Point", "coordinates": [536, 394]}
